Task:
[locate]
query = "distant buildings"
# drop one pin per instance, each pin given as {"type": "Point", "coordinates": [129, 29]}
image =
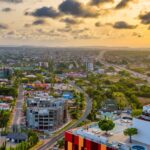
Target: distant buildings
{"type": "Point", "coordinates": [43, 64]}
{"type": "Point", "coordinates": [46, 113]}
{"type": "Point", "coordinates": [5, 72]}
{"type": "Point", "coordinates": [89, 66]}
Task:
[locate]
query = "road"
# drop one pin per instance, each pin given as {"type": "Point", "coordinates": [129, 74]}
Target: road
{"type": "Point", "coordinates": [119, 68]}
{"type": "Point", "coordinates": [84, 116]}
{"type": "Point", "coordinates": [17, 114]}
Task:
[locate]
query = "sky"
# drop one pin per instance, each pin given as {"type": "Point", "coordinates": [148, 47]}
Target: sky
{"type": "Point", "coordinates": [111, 23]}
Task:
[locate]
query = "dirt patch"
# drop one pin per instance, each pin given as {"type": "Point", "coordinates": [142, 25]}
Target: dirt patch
{"type": "Point", "coordinates": [144, 101]}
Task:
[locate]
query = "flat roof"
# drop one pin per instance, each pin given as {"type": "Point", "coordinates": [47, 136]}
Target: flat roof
{"type": "Point", "coordinates": [114, 137]}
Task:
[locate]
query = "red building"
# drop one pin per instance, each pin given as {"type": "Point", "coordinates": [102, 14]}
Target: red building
{"type": "Point", "coordinates": [78, 142]}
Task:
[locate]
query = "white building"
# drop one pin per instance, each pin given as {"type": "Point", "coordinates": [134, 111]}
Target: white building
{"type": "Point", "coordinates": [4, 106]}
{"type": "Point", "coordinates": [90, 66]}
{"type": "Point", "coordinates": [143, 126]}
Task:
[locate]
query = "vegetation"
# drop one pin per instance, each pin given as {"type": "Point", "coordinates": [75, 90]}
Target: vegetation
{"type": "Point", "coordinates": [32, 141]}
{"type": "Point", "coordinates": [61, 143]}
{"type": "Point", "coordinates": [130, 132]}
{"type": "Point", "coordinates": [125, 92]}
{"type": "Point", "coordinates": [8, 91]}
{"type": "Point", "coordinates": [136, 112]}
{"type": "Point", "coordinates": [79, 104]}
{"type": "Point", "coordinates": [4, 118]}
{"type": "Point", "coordinates": [106, 125]}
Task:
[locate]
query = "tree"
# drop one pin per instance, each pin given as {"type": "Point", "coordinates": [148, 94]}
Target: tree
{"type": "Point", "coordinates": [61, 143]}
{"type": "Point", "coordinates": [106, 125]}
{"type": "Point", "coordinates": [130, 132]}
{"type": "Point", "coordinates": [136, 112]}
{"type": "Point", "coordinates": [120, 100]}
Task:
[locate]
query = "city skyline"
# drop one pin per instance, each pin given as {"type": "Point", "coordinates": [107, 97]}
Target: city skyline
{"type": "Point", "coordinates": [112, 23]}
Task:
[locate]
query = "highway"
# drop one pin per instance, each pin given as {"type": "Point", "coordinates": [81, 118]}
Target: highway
{"type": "Point", "coordinates": [17, 114]}
{"type": "Point", "coordinates": [119, 68]}
{"type": "Point", "coordinates": [88, 108]}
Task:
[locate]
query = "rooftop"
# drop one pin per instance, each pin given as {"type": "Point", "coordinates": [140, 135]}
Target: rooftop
{"type": "Point", "coordinates": [115, 138]}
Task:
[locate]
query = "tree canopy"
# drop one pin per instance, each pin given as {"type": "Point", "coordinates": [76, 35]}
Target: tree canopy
{"type": "Point", "coordinates": [106, 125]}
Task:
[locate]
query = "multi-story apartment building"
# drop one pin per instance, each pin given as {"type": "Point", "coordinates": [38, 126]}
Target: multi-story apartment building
{"type": "Point", "coordinates": [47, 113]}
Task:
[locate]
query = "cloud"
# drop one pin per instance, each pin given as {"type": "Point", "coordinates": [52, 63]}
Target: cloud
{"type": "Point", "coordinates": [98, 24]}
{"type": "Point", "coordinates": [123, 25]}
{"type": "Point", "coordinates": [75, 8]}
{"type": "Point", "coordinates": [71, 21]}
{"type": "Point", "coordinates": [137, 34]}
{"type": "Point", "coordinates": [39, 22]}
{"type": "Point", "coordinates": [45, 12]}
{"type": "Point", "coordinates": [124, 3]}
{"type": "Point", "coordinates": [79, 31]}
{"type": "Point", "coordinates": [3, 26]}
{"type": "Point", "coordinates": [7, 9]}
{"type": "Point", "coordinates": [99, 2]}
{"type": "Point", "coordinates": [12, 1]}
{"type": "Point", "coordinates": [27, 25]}
{"type": "Point", "coordinates": [66, 29]}
{"type": "Point", "coordinates": [145, 18]}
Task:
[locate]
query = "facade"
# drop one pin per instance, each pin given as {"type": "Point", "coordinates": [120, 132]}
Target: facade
{"type": "Point", "coordinates": [81, 140]}
{"type": "Point", "coordinates": [143, 126]}
{"type": "Point", "coordinates": [46, 114]}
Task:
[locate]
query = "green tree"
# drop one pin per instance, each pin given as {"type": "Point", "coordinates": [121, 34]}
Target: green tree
{"type": "Point", "coordinates": [120, 100]}
{"type": "Point", "coordinates": [106, 125]}
{"type": "Point", "coordinates": [136, 112]}
{"type": "Point", "coordinates": [130, 132]}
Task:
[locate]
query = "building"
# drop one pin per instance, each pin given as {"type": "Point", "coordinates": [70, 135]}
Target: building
{"type": "Point", "coordinates": [43, 64]}
{"type": "Point", "coordinates": [46, 113]}
{"type": "Point", "coordinates": [92, 138]}
{"type": "Point", "coordinates": [5, 72]}
{"type": "Point", "coordinates": [143, 126]}
{"type": "Point", "coordinates": [17, 137]}
{"type": "Point", "coordinates": [4, 106]}
{"type": "Point", "coordinates": [89, 66]}
{"type": "Point", "coordinates": [67, 95]}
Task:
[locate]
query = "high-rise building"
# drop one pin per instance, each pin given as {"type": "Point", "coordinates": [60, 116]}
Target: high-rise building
{"type": "Point", "coordinates": [89, 66]}
{"type": "Point", "coordinates": [46, 114]}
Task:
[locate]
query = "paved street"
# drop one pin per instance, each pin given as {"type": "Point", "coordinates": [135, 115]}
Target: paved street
{"type": "Point", "coordinates": [84, 116]}
{"type": "Point", "coordinates": [17, 115]}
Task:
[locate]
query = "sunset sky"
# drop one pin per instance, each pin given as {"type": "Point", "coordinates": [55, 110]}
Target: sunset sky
{"type": "Point", "coordinates": [75, 22]}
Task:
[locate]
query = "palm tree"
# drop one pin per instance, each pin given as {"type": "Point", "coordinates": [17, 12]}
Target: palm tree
{"type": "Point", "coordinates": [130, 132]}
